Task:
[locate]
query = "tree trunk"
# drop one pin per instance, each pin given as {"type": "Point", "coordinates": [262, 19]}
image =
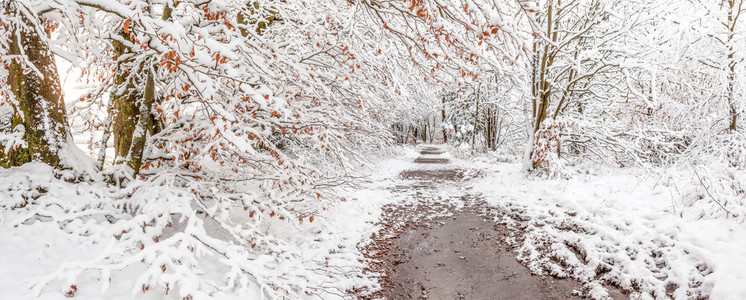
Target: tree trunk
{"type": "Point", "coordinates": [105, 136]}
{"type": "Point", "coordinates": [126, 109]}
{"type": "Point", "coordinates": [476, 119]}
{"type": "Point", "coordinates": [489, 128]}
{"type": "Point", "coordinates": [544, 93]}
{"type": "Point", "coordinates": [732, 68]}
{"type": "Point", "coordinates": [498, 134]}
{"type": "Point", "coordinates": [132, 115]}
{"type": "Point", "coordinates": [39, 109]}
{"type": "Point", "coordinates": [543, 61]}
{"type": "Point", "coordinates": [443, 119]}
{"type": "Point", "coordinates": [144, 125]}
{"type": "Point", "coordinates": [424, 133]}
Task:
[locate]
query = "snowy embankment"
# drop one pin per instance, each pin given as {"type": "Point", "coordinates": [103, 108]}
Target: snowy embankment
{"type": "Point", "coordinates": [621, 227]}
{"type": "Point", "coordinates": [52, 229]}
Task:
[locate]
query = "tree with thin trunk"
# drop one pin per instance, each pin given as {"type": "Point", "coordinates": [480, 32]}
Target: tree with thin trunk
{"type": "Point", "coordinates": [734, 11]}
{"type": "Point", "coordinates": [578, 54]}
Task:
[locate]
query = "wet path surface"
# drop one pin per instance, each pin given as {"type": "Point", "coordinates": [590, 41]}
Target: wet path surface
{"type": "Point", "coordinates": [447, 246]}
{"type": "Point", "coordinates": [464, 257]}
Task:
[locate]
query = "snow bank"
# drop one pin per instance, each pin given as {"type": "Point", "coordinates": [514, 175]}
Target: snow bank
{"type": "Point", "coordinates": [621, 228]}
{"type": "Point", "coordinates": [151, 240]}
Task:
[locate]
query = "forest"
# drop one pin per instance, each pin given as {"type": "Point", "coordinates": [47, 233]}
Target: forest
{"type": "Point", "coordinates": [268, 149]}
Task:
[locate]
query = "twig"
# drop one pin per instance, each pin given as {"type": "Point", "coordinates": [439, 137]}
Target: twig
{"type": "Point", "coordinates": [727, 212]}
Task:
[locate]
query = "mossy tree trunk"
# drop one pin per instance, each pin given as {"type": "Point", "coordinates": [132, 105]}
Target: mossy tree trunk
{"type": "Point", "coordinates": [39, 109]}
{"type": "Point", "coordinates": [145, 125]}
{"type": "Point", "coordinates": [132, 106]}
{"type": "Point", "coordinates": [133, 119]}
{"type": "Point", "coordinates": [126, 99]}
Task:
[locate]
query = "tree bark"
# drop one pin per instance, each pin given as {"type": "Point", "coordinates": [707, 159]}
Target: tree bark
{"type": "Point", "coordinates": [488, 135]}
{"type": "Point", "coordinates": [144, 125]}
{"type": "Point", "coordinates": [125, 103]}
{"type": "Point", "coordinates": [732, 66]}
{"type": "Point", "coordinates": [544, 93]}
{"type": "Point", "coordinates": [39, 109]}
{"type": "Point", "coordinates": [443, 119]}
{"type": "Point", "coordinates": [132, 108]}
{"type": "Point", "coordinates": [476, 119]}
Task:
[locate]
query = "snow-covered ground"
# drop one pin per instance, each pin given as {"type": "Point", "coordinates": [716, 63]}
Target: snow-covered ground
{"type": "Point", "coordinates": [31, 251]}
{"type": "Point", "coordinates": [620, 226]}
{"type": "Point", "coordinates": [616, 226]}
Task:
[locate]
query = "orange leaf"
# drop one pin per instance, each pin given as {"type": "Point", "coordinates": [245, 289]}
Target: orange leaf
{"type": "Point", "coordinates": [127, 26]}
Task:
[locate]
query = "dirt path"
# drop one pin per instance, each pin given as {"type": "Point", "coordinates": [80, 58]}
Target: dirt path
{"type": "Point", "coordinates": [446, 246]}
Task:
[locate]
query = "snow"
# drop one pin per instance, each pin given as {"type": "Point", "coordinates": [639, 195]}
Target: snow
{"type": "Point", "coordinates": [36, 249]}
{"type": "Point", "coordinates": [32, 251]}
{"type": "Point", "coordinates": [618, 226]}
{"type": "Point", "coordinates": [608, 226]}
{"type": "Point", "coordinates": [250, 186]}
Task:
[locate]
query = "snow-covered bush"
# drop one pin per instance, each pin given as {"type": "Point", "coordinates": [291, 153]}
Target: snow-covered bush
{"type": "Point", "coordinates": [545, 158]}
{"type": "Point", "coordinates": [178, 242]}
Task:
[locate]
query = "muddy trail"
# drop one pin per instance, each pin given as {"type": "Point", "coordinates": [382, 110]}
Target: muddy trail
{"type": "Point", "coordinates": [448, 246]}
